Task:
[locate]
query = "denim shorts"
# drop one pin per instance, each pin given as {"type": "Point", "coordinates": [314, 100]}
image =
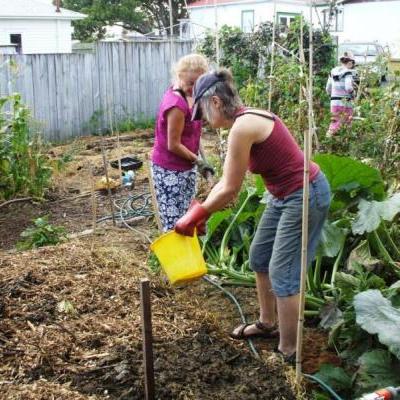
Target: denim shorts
{"type": "Point", "coordinates": [276, 247]}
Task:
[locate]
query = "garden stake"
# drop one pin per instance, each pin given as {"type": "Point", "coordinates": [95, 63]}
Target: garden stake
{"type": "Point", "coordinates": [217, 56]}
{"type": "Point", "coordinates": [171, 32]}
{"type": "Point", "coordinates": [103, 152]}
{"type": "Point", "coordinates": [271, 72]}
{"type": "Point", "coordinates": [93, 198]}
{"type": "Point", "coordinates": [145, 307]}
{"type": "Point", "coordinates": [154, 198]}
{"type": "Point", "coordinates": [304, 239]}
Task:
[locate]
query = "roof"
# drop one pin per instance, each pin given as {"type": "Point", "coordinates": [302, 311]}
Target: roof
{"type": "Point", "coordinates": [34, 9]}
{"type": "Point", "coordinates": [205, 3]}
{"type": "Point", "coordinates": [212, 3]}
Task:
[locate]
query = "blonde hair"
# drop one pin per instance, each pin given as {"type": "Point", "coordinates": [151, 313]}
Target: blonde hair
{"type": "Point", "coordinates": [190, 63]}
{"type": "Point", "coordinates": [224, 89]}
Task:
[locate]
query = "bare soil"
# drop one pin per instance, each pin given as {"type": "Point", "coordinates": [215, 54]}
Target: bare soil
{"type": "Point", "coordinates": [70, 314]}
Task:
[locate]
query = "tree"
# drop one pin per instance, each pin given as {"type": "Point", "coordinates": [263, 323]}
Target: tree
{"type": "Point", "coordinates": [138, 15]}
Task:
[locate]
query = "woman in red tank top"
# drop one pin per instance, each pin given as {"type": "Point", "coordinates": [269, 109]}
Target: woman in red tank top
{"type": "Point", "coordinates": [260, 142]}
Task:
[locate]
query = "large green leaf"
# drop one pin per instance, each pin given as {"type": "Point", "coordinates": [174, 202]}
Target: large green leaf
{"type": "Point", "coordinates": [216, 219]}
{"type": "Point", "coordinates": [377, 370]}
{"type": "Point", "coordinates": [371, 213]}
{"type": "Point", "coordinates": [335, 377]}
{"type": "Point", "coordinates": [332, 239]}
{"type": "Point", "coordinates": [348, 175]}
{"type": "Point", "coordinates": [376, 315]}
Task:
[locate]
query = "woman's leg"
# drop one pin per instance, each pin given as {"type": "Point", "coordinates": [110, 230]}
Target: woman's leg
{"type": "Point", "coordinates": [288, 312]}
{"type": "Point", "coordinates": [260, 254]}
{"type": "Point", "coordinates": [285, 265]}
{"type": "Point", "coordinates": [267, 304]}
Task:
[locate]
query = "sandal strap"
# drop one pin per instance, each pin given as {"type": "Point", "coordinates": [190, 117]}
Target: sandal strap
{"type": "Point", "coordinates": [264, 327]}
{"type": "Point", "coordinates": [240, 333]}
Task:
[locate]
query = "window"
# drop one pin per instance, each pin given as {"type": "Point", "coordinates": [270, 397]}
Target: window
{"type": "Point", "coordinates": [285, 19]}
{"type": "Point", "coordinates": [16, 40]}
{"type": "Point", "coordinates": [247, 21]}
{"type": "Point", "coordinates": [333, 19]}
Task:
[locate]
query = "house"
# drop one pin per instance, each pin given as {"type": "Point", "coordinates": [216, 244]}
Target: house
{"type": "Point", "coordinates": [36, 26]}
{"type": "Point", "coordinates": [365, 21]}
{"type": "Point", "coordinates": [245, 14]}
{"type": "Point", "coordinates": [350, 20]}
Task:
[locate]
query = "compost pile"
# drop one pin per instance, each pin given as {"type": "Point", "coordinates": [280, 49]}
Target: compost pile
{"type": "Point", "coordinates": [70, 329]}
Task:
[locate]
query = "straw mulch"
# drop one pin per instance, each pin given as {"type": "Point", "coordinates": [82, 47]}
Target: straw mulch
{"type": "Point", "coordinates": [70, 329]}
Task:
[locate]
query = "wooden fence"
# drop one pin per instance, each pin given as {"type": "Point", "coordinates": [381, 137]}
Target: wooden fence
{"type": "Point", "coordinates": [78, 94]}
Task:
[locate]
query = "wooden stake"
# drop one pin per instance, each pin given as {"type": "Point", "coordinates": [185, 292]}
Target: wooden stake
{"type": "Point", "coordinates": [306, 185]}
{"type": "Point", "coordinates": [271, 72]}
{"type": "Point", "coordinates": [171, 33]}
{"type": "Point", "coordinates": [145, 306]}
{"type": "Point", "coordinates": [217, 51]}
{"type": "Point", "coordinates": [154, 197]}
{"type": "Point", "coordinates": [93, 198]}
{"type": "Point", "coordinates": [103, 152]}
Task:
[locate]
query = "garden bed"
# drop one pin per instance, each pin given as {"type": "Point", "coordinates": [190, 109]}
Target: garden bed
{"type": "Point", "coordinates": [70, 313]}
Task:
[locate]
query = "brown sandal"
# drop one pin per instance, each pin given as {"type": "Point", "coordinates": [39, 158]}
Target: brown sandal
{"type": "Point", "coordinates": [266, 332]}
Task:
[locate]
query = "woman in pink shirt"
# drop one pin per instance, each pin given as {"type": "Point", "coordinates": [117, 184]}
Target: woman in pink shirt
{"type": "Point", "coordinates": [177, 141]}
{"type": "Point", "coordinates": [260, 141]}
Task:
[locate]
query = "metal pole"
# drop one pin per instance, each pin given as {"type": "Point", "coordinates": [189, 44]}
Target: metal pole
{"type": "Point", "coordinates": [272, 59]}
{"type": "Point", "coordinates": [216, 34]}
{"type": "Point", "coordinates": [145, 306]}
{"type": "Point", "coordinates": [304, 240]}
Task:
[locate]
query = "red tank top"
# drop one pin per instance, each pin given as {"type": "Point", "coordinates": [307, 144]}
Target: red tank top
{"type": "Point", "coordinates": [279, 159]}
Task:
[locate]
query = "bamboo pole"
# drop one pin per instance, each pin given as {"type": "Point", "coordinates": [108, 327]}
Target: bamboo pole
{"type": "Point", "coordinates": [93, 198]}
{"type": "Point", "coordinates": [103, 152]}
{"type": "Point", "coordinates": [154, 197]}
{"type": "Point", "coordinates": [302, 63]}
{"type": "Point", "coordinates": [217, 55]}
{"type": "Point", "coordinates": [272, 65]}
{"type": "Point", "coordinates": [171, 32]}
{"type": "Point", "coordinates": [304, 239]}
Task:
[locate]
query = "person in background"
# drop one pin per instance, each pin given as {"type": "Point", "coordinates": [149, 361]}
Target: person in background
{"type": "Point", "coordinates": [260, 141]}
{"type": "Point", "coordinates": [175, 157]}
{"type": "Point", "coordinates": [340, 88]}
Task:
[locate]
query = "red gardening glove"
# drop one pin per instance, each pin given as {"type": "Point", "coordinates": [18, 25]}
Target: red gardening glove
{"type": "Point", "coordinates": [195, 217]}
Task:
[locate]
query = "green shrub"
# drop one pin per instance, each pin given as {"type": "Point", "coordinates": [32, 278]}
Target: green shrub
{"type": "Point", "coordinates": [24, 167]}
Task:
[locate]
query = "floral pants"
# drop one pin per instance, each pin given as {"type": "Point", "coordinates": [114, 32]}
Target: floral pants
{"type": "Point", "coordinates": [174, 191]}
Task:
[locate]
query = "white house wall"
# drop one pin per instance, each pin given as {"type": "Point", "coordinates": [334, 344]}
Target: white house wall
{"type": "Point", "coordinates": [231, 14]}
{"type": "Point", "coordinates": [372, 21]}
{"type": "Point", "coordinates": [39, 35]}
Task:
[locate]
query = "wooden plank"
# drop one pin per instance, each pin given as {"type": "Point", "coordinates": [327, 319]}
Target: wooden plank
{"type": "Point", "coordinates": [89, 70]}
{"type": "Point", "coordinates": [145, 305]}
{"type": "Point", "coordinates": [135, 79]}
{"type": "Point", "coordinates": [103, 61]}
{"type": "Point", "coordinates": [123, 79]}
{"type": "Point", "coordinates": [52, 98]}
{"type": "Point", "coordinates": [82, 92]}
{"type": "Point", "coordinates": [129, 79]}
{"type": "Point", "coordinates": [60, 95]}
{"type": "Point", "coordinates": [95, 89]}
{"type": "Point", "coordinates": [26, 65]}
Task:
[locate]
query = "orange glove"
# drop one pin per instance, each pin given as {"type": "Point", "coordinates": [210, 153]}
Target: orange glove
{"type": "Point", "coordinates": [195, 217]}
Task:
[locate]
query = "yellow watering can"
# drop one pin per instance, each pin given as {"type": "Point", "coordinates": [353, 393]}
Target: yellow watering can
{"type": "Point", "coordinates": [180, 256]}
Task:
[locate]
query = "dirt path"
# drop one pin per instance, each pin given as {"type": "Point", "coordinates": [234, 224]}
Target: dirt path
{"type": "Point", "coordinates": [70, 317]}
